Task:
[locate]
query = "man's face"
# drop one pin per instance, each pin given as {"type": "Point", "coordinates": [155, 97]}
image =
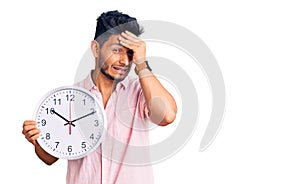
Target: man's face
{"type": "Point", "coordinates": [115, 59]}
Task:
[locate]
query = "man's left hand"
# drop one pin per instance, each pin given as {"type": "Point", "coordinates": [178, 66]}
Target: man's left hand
{"type": "Point", "coordinates": [137, 45]}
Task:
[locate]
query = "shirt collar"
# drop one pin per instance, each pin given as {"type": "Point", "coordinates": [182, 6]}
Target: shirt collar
{"type": "Point", "coordinates": [122, 85]}
{"type": "Point", "coordinates": [88, 82]}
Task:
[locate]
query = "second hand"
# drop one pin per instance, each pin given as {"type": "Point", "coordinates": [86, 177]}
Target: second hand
{"type": "Point", "coordinates": [70, 128]}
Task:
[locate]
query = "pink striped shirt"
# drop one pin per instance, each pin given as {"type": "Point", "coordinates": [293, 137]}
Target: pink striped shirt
{"type": "Point", "coordinates": [122, 156]}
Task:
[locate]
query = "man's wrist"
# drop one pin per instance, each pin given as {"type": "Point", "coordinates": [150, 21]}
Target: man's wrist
{"type": "Point", "coordinates": [145, 73]}
{"type": "Point", "coordinates": [141, 66]}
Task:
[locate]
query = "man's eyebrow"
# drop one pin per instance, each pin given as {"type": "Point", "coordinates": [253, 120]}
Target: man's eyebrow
{"type": "Point", "coordinates": [116, 44]}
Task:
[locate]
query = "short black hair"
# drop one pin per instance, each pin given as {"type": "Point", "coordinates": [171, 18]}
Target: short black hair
{"type": "Point", "coordinates": [115, 22]}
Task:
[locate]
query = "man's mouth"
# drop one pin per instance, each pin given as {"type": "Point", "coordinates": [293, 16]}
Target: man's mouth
{"type": "Point", "coordinates": [120, 70]}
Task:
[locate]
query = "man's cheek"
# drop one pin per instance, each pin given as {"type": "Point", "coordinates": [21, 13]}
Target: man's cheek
{"type": "Point", "coordinates": [104, 66]}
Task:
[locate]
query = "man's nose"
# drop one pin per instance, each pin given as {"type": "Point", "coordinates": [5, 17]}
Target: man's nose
{"type": "Point", "coordinates": [124, 60]}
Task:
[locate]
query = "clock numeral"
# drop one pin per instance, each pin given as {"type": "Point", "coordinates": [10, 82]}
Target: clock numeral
{"type": "Point", "coordinates": [83, 101]}
{"type": "Point", "coordinates": [57, 143]}
{"type": "Point", "coordinates": [47, 136]}
{"type": "Point", "coordinates": [83, 145]}
{"type": "Point", "coordinates": [70, 97]}
{"type": "Point", "coordinates": [51, 110]}
{"type": "Point", "coordinates": [57, 101]}
{"type": "Point", "coordinates": [96, 123]}
{"type": "Point", "coordinates": [92, 136]}
{"type": "Point", "coordinates": [92, 109]}
{"type": "Point", "coordinates": [43, 122]}
{"type": "Point", "coordinates": [70, 148]}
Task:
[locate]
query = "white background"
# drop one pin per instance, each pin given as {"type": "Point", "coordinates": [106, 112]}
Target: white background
{"type": "Point", "coordinates": [256, 44]}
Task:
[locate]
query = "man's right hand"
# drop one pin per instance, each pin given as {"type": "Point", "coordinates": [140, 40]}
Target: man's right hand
{"type": "Point", "coordinates": [31, 131]}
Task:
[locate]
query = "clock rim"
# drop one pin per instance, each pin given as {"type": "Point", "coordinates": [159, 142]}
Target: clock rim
{"type": "Point", "coordinates": [97, 101]}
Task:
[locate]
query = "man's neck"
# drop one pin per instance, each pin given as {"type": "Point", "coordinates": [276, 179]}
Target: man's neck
{"type": "Point", "coordinates": [105, 85]}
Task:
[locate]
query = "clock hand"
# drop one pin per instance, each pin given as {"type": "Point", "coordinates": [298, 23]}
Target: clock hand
{"type": "Point", "coordinates": [84, 116]}
{"type": "Point", "coordinates": [70, 122]}
{"type": "Point", "coordinates": [54, 112]}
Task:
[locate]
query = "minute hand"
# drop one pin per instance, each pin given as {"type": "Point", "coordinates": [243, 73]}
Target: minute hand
{"type": "Point", "coordinates": [84, 116]}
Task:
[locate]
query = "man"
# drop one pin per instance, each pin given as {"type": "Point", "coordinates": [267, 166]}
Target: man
{"type": "Point", "coordinates": [116, 48]}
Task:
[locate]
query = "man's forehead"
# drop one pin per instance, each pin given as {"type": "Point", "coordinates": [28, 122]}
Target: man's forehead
{"type": "Point", "coordinates": [114, 40]}
{"type": "Point", "coordinates": [114, 37]}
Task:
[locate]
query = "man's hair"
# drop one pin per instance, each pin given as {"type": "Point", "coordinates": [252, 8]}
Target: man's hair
{"type": "Point", "coordinates": [115, 22]}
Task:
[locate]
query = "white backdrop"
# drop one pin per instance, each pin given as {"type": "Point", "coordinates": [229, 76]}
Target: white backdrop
{"type": "Point", "coordinates": [256, 44]}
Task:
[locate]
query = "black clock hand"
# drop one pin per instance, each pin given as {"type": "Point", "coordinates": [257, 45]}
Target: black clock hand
{"type": "Point", "coordinates": [54, 112]}
{"type": "Point", "coordinates": [83, 117]}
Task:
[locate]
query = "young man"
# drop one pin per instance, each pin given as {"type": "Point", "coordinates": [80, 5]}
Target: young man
{"type": "Point", "coordinates": [116, 48]}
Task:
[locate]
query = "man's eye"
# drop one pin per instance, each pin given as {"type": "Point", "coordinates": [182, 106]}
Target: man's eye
{"type": "Point", "coordinates": [130, 53]}
{"type": "Point", "coordinates": [116, 50]}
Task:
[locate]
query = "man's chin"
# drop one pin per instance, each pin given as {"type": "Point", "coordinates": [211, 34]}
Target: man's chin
{"type": "Point", "coordinates": [117, 78]}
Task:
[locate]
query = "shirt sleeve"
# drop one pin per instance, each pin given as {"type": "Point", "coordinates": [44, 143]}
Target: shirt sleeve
{"type": "Point", "coordinates": [143, 109]}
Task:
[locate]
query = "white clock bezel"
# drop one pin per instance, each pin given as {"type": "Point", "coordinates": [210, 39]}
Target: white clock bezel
{"type": "Point", "coordinates": [97, 102]}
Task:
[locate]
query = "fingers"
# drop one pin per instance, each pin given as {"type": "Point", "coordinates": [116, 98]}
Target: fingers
{"type": "Point", "coordinates": [130, 36]}
{"type": "Point", "coordinates": [131, 44]}
{"type": "Point", "coordinates": [33, 135]}
{"type": "Point", "coordinates": [30, 131]}
{"type": "Point", "coordinates": [129, 40]}
{"type": "Point", "coordinates": [125, 43]}
{"type": "Point", "coordinates": [137, 45]}
{"type": "Point", "coordinates": [28, 124]}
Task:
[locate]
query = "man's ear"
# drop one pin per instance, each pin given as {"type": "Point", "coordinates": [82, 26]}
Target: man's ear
{"type": "Point", "coordinates": [95, 47]}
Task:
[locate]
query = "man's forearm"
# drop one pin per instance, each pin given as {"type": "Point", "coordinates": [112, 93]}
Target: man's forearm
{"type": "Point", "coordinates": [44, 156]}
{"type": "Point", "coordinates": [160, 102]}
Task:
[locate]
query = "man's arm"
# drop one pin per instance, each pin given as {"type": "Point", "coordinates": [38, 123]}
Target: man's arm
{"type": "Point", "coordinates": [32, 133]}
{"type": "Point", "coordinates": [160, 102]}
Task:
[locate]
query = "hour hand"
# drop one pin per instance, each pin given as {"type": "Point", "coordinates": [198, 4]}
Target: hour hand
{"type": "Point", "coordinates": [54, 112]}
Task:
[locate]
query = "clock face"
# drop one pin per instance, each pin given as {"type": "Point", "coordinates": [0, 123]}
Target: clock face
{"type": "Point", "coordinates": [72, 122]}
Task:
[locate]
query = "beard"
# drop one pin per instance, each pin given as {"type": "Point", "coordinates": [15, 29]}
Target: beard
{"type": "Point", "coordinates": [103, 70]}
